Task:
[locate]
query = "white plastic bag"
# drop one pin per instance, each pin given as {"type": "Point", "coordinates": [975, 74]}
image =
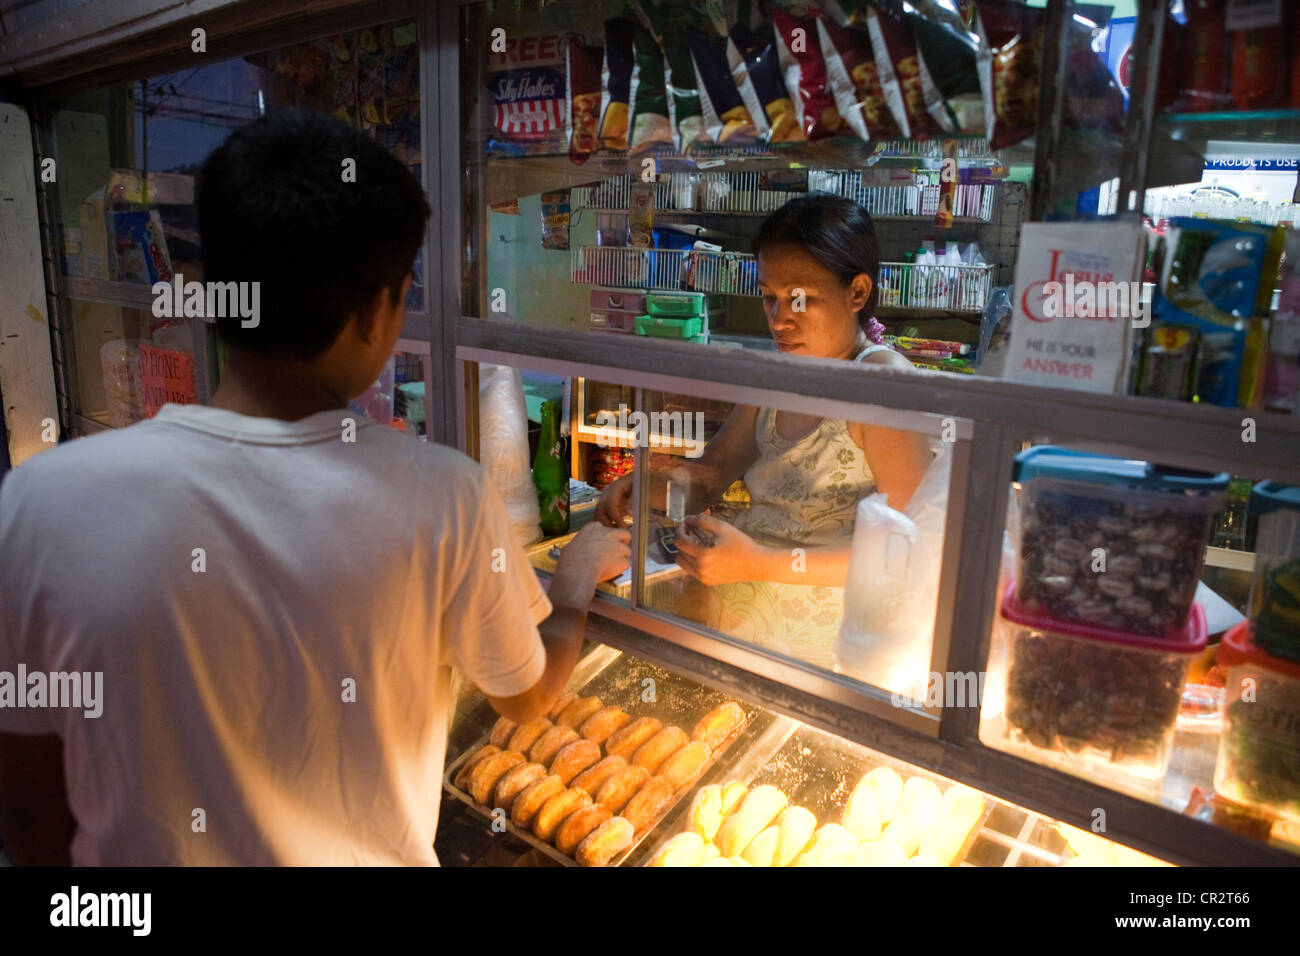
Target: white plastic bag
{"type": "Point", "coordinates": [503, 448]}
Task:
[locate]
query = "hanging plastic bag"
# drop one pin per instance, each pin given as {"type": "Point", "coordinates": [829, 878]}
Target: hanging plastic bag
{"type": "Point", "coordinates": [503, 448]}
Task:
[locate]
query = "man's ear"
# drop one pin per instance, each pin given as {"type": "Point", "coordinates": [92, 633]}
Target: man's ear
{"type": "Point", "coordinates": [368, 314]}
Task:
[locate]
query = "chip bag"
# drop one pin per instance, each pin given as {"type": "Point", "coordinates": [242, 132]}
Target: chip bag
{"type": "Point", "coordinates": [616, 83]}
{"type": "Point", "coordinates": [757, 50]}
{"type": "Point", "coordinates": [854, 80]}
{"type": "Point", "coordinates": [651, 125]}
{"type": "Point", "coordinates": [805, 74]}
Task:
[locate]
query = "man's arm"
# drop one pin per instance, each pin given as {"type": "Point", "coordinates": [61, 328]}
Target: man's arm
{"type": "Point", "coordinates": [595, 554]}
{"type": "Point", "coordinates": [35, 820]}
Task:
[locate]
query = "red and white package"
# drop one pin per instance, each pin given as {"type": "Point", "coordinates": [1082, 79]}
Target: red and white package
{"type": "Point", "coordinates": [855, 81]}
{"type": "Point", "coordinates": [804, 69]}
{"type": "Point", "coordinates": [1009, 58]}
{"type": "Point", "coordinates": [916, 102]}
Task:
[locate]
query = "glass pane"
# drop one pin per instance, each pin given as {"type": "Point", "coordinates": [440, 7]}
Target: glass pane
{"type": "Point", "coordinates": [126, 158]}
{"type": "Point", "coordinates": [1148, 636]}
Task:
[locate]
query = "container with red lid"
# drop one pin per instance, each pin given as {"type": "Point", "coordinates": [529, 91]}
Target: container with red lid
{"type": "Point", "coordinates": [1089, 700]}
{"type": "Point", "coordinates": [1259, 747]}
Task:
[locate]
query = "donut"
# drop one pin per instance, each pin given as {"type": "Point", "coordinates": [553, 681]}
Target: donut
{"type": "Point", "coordinates": [591, 778]}
{"type": "Point", "coordinates": [556, 810]}
{"type": "Point", "coordinates": [550, 743]}
{"type": "Point", "coordinates": [513, 781]}
{"type": "Point", "coordinates": [649, 804]}
{"type": "Point", "coordinates": [686, 764]}
{"type": "Point", "coordinates": [659, 748]}
{"type": "Point", "coordinates": [605, 842]}
{"type": "Point", "coordinates": [526, 735]}
{"type": "Point", "coordinates": [622, 786]}
{"type": "Point", "coordinates": [501, 731]}
{"type": "Point", "coordinates": [461, 779]}
{"type": "Point", "coordinates": [578, 824]}
{"type": "Point", "coordinates": [719, 724]}
{"type": "Point", "coordinates": [577, 712]}
{"type": "Point", "coordinates": [574, 758]}
{"type": "Point", "coordinates": [602, 723]}
{"type": "Point", "coordinates": [532, 798]}
{"type": "Point", "coordinates": [489, 771]}
{"type": "Point", "coordinates": [625, 741]}
{"type": "Point", "coordinates": [558, 707]}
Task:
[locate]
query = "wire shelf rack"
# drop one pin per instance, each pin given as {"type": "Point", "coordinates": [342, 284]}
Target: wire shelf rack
{"type": "Point", "coordinates": [942, 288]}
{"type": "Point", "coordinates": [666, 270]}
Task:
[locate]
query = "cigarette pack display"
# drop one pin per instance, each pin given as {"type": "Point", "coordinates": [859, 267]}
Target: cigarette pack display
{"type": "Point", "coordinates": [1110, 542]}
{"type": "Point", "coordinates": [1260, 740]}
{"type": "Point", "coordinates": [1091, 702]}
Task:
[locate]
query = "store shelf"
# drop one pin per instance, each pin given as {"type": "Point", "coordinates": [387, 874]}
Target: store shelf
{"type": "Point", "coordinates": [919, 289]}
{"type": "Point", "coordinates": [610, 437]}
{"type": "Point", "coordinates": [1255, 126]}
{"type": "Point", "coordinates": [665, 270]}
{"type": "Point", "coordinates": [128, 295]}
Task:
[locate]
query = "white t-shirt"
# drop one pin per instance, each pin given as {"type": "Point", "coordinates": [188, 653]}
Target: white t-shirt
{"type": "Point", "coordinates": [325, 565]}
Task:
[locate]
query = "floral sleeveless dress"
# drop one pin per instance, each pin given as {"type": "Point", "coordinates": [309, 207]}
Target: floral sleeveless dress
{"type": "Point", "coordinates": [804, 493]}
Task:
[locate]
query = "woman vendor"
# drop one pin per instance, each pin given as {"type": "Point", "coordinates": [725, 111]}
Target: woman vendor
{"type": "Point", "coordinates": [777, 570]}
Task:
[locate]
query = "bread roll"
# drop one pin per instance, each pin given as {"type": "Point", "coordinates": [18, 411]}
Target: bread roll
{"type": "Point", "coordinates": [595, 775]}
{"type": "Point", "coordinates": [574, 758]}
{"type": "Point", "coordinates": [705, 813]}
{"type": "Point", "coordinates": [732, 794]}
{"type": "Point", "coordinates": [512, 783]}
{"type": "Point", "coordinates": [685, 849]}
{"type": "Point", "coordinates": [659, 748]}
{"type": "Point", "coordinates": [605, 842]}
{"type": "Point", "coordinates": [962, 806]}
{"type": "Point", "coordinates": [718, 724]}
{"type": "Point", "coordinates": [526, 735]}
{"type": "Point", "coordinates": [602, 723]}
{"type": "Point", "coordinates": [922, 860]}
{"type": "Point", "coordinates": [759, 808]}
{"type": "Point", "coordinates": [551, 743]}
{"type": "Point", "coordinates": [762, 849]}
{"type": "Point", "coordinates": [622, 787]}
{"type": "Point", "coordinates": [501, 731]}
{"type": "Point", "coordinates": [942, 843]}
{"type": "Point", "coordinates": [563, 701]}
{"type": "Point", "coordinates": [461, 779]}
{"type": "Point", "coordinates": [861, 815]}
{"type": "Point", "coordinates": [889, 789]}
{"type": "Point", "coordinates": [576, 714]}
{"type": "Point", "coordinates": [649, 804]}
{"type": "Point", "coordinates": [831, 845]}
{"type": "Point", "coordinates": [795, 828]}
{"type": "Point", "coordinates": [625, 741]}
{"type": "Point", "coordinates": [686, 764]}
{"type": "Point", "coordinates": [556, 810]}
{"type": "Point", "coordinates": [532, 798]}
{"type": "Point", "coordinates": [921, 803]}
{"type": "Point", "coordinates": [579, 824]}
{"type": "Point", "coordinates": [881, 853]}
{"type": "Point", "coordinates": [489, 771]}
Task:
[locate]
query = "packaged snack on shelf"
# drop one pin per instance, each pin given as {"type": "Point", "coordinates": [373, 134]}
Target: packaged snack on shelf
{"type": "Point", "coordinates": [616, 83]}
{"type": "Point", "coordinates": [805, 74]}
{"type": "Point", "coordinates": [555, 219]}
{"type": "Point", "coordinates": [903, 72]}
{"type": "Point", "coordinates": [641, 217]}
{"type": "Point", "coordinates": [651, 125]}
{"type": "Point", "coordinates": [1009, 59]}
{"type": "Point", "coordinates": [137, 246]}
{"type": "Point", "coordinates": [1169, 362]}
{"type": "Point", "coordinates": [669, 21]}
{"type": "Point", "coordinates": [854, 80]}
{"type": "Point", "coordinates": [949, 52]}
{"type": "Point", "coordinates": [727, 120]}
{"type": "Point", "coordinates": [1204, 77]}
{"type": "Point", "coordinates": [584, 98]}
{"type": "Point", "coordinates": [528, 94]}
{"type": "Point", "coordinates": [757, 49]}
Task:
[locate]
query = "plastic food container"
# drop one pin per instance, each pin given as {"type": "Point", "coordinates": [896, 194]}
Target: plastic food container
{"type": "Point", "coordinates": [1111, 542]}
{"type": "Point", "coordinates": [666, 328]}
{"type": "Point", "coordinates": [1086, 700]}
{"type": "Point", "coordinates": [675, 303]}
{"type": "Point", "coordinates": [1259, 746]}
{"type": "Point", "coordinates": [617, 300]}
{"type": "Point", "coordinates": [1275, 587]}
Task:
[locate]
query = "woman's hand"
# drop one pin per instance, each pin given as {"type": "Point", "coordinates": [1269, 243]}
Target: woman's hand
{"type": "Point", "coordinates": [612, 507]}
{"type": "Point", "coordinates": [732, 555]}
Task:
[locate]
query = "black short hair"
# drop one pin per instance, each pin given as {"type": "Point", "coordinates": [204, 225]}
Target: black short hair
{"type": "Point", "coordinates": [273, 207]}
{"type": "Point", "coordinates": [836, 232]}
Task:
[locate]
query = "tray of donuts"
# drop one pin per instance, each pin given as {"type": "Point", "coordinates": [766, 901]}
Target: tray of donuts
{"type": "Point", "coordinates": [589, 781]}
{"type": "Point", "coordinates": [802, 797]}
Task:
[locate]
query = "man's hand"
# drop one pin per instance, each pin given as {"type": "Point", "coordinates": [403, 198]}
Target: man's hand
{"type": "Point", "coordinates": [597, 550]}
{"type": "Point", "coordinates": [612, 508]}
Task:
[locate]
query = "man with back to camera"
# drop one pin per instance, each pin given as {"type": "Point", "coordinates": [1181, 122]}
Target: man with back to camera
{"type": "Point", "coordinates": [273, 607]}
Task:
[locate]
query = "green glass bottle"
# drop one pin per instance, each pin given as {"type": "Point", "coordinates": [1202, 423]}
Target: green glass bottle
{"type": "Point", "coordinates": [551, 474]}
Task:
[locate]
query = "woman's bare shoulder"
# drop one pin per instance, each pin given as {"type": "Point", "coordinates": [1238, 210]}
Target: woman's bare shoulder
{"type": "Point", "coordinates": [888, 357]}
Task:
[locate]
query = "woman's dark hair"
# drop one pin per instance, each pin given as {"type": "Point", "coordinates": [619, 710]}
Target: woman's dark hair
{"type": "Point", "coordinates": [318, 213]}
{"type": "Point", "coordinates": [838, 234]}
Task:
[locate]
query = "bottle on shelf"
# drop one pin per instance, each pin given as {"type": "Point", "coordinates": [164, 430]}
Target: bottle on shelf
{"type": "Point", "coordinates": [551, 474]}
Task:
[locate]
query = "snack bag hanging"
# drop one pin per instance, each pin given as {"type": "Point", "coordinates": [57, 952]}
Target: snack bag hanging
{"type": "Point", "coordinates": [527, 83]}
{"type": "Point", "coordinates": [854, 81]}
{"type": "Point", "coordinates": [616, 83]}
{"type": "Point", "coordinates": [726, 117]}
{"type": "Point", "coordinates": [651, 125]}
{"type": "Point", "coordinates": [904, 75]}
{"type": "Point", "coordinates": [668, 21]}
{"type": "Point", "coordinates": [805, 74]}
{"type": "Point", "coordinates": [1009, 60]}
{"type": "Point", "coordinates": [584, 99]}
{"type": "Point", "coordinates": [757, 51]}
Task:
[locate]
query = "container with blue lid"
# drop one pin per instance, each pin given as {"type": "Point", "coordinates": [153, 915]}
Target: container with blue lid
{"type": "Point", "coordinates": [1275, 584]}
{"type": "Point", "coordinates": [1113, 543]}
